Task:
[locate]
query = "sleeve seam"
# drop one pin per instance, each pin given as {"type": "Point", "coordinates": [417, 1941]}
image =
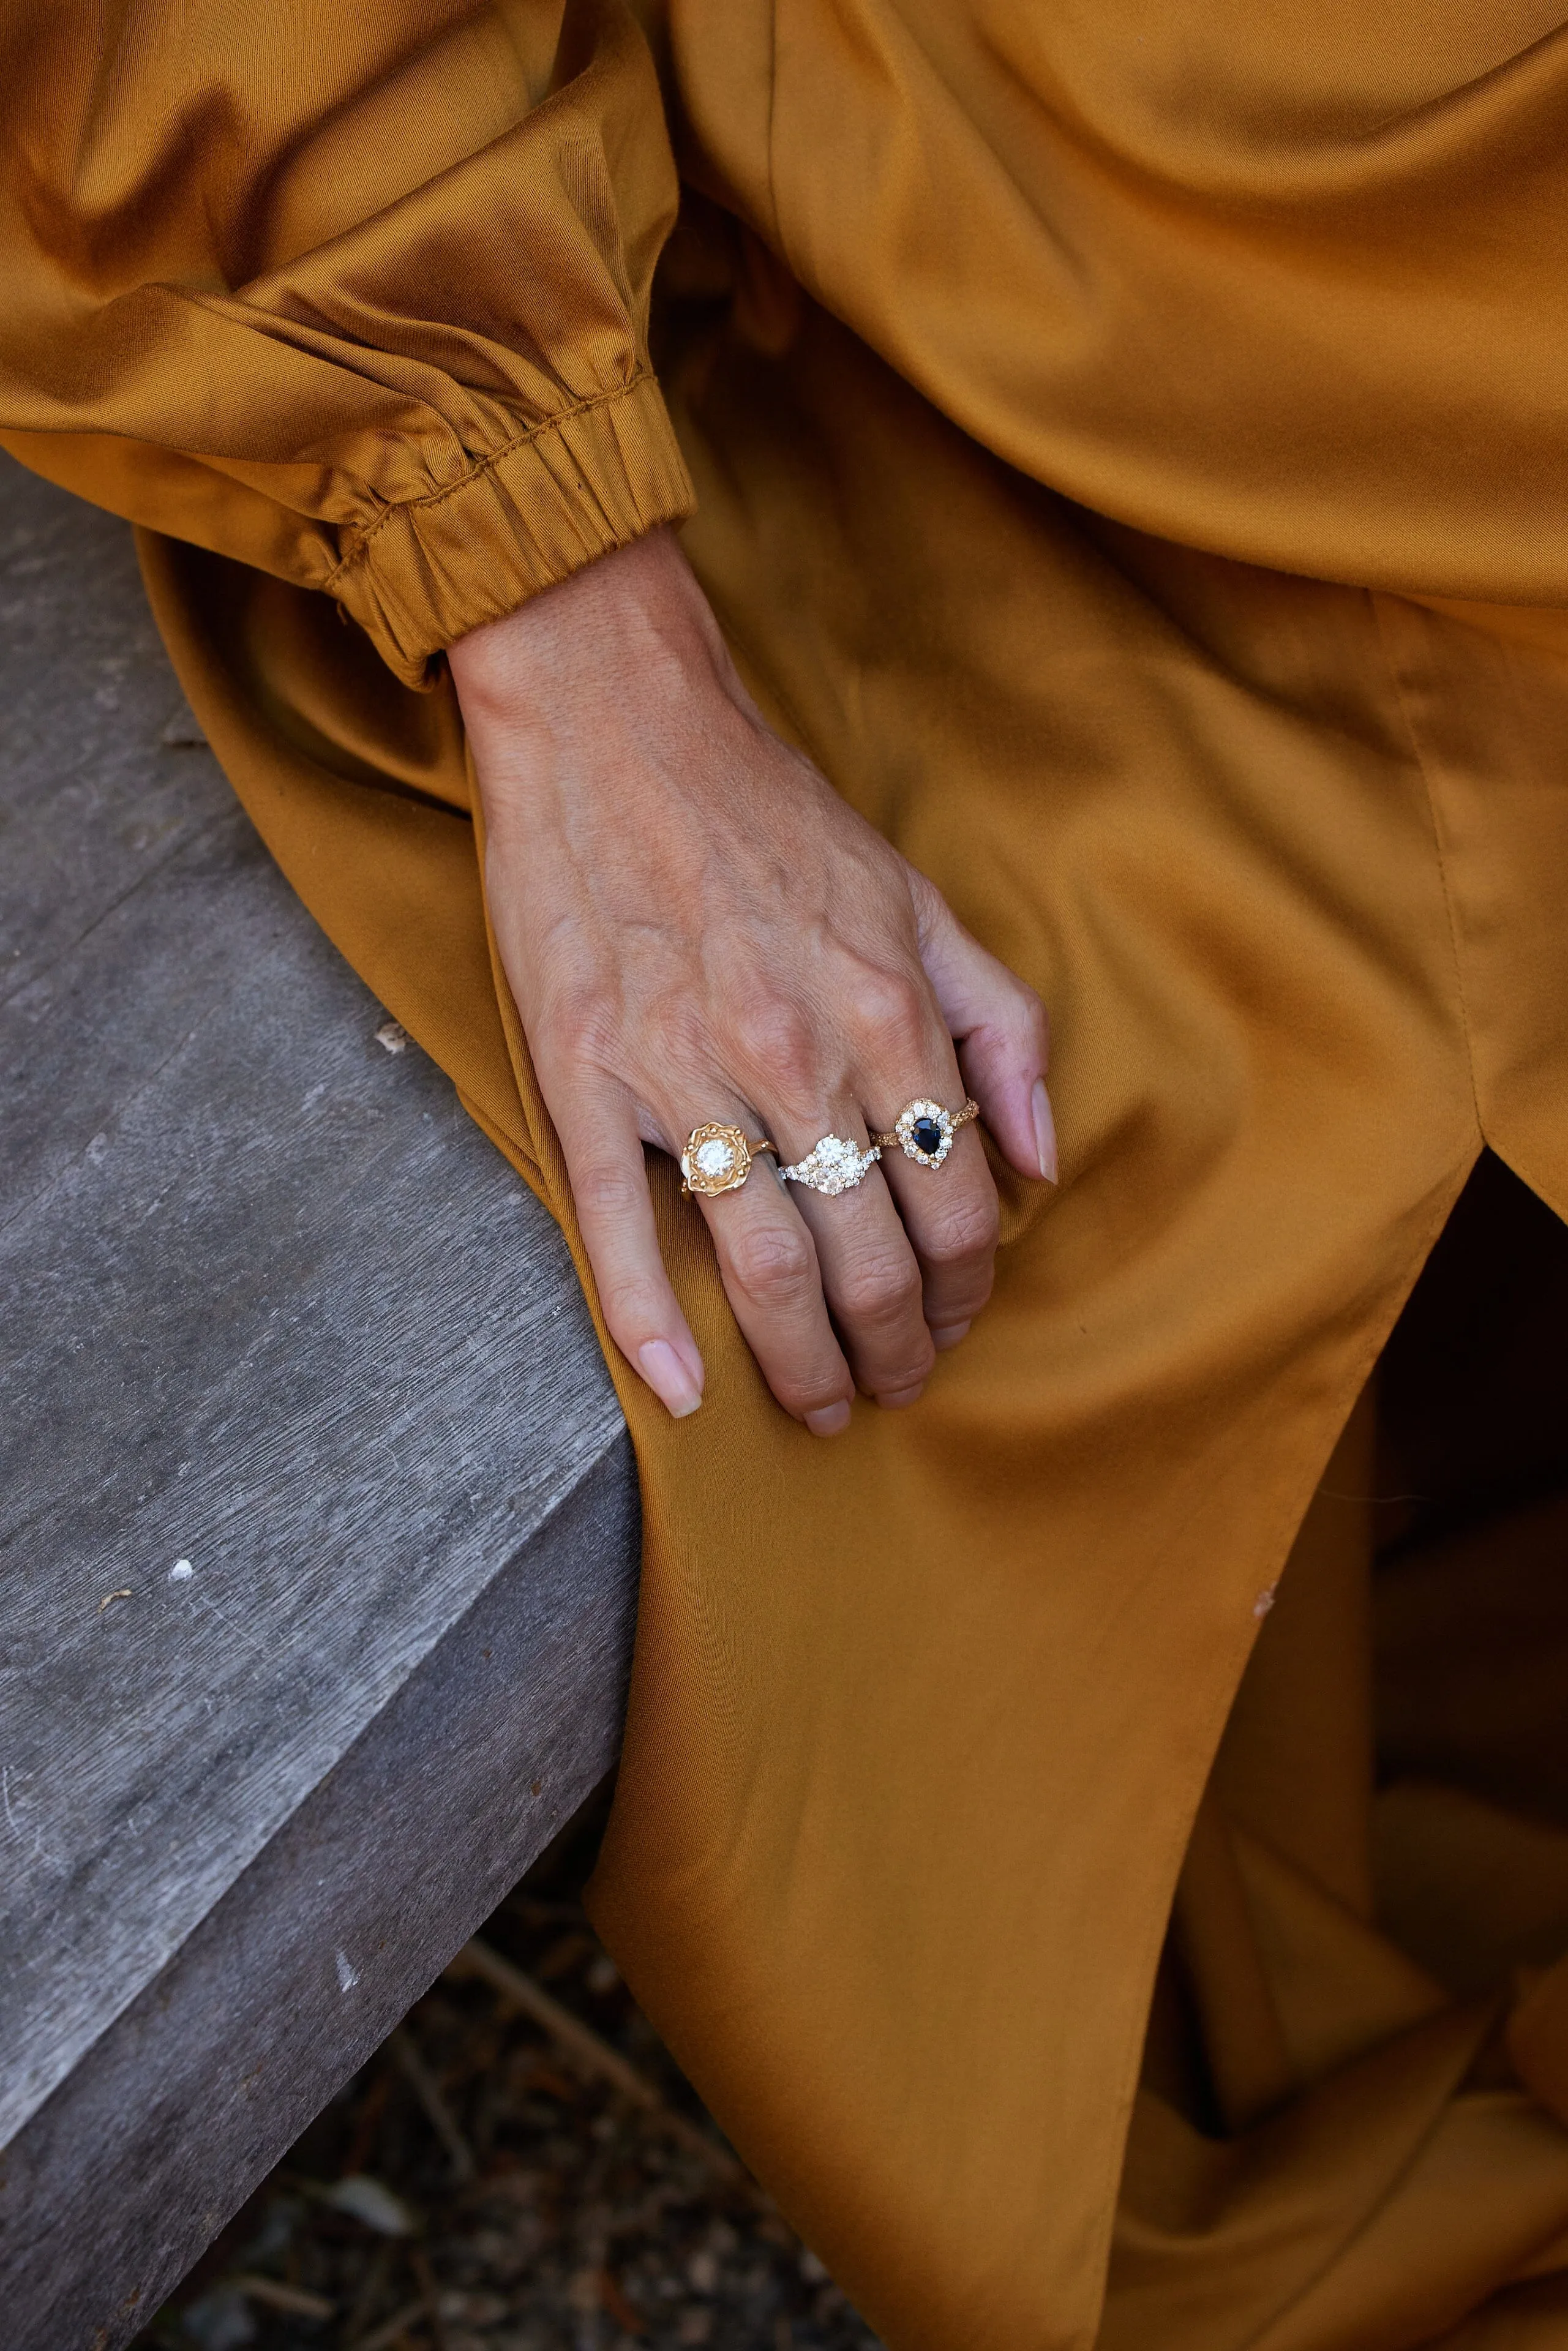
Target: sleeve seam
{"type": "Point", "coordinates": [480, 467]}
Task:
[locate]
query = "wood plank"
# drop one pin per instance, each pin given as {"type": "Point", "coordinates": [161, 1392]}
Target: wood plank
{"type": "Point", "coordinates": [169, 2121]}
{"type": "Point", "coordinates": [274, 1308]}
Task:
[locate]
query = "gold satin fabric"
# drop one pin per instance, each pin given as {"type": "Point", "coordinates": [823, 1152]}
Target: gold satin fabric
{"type": "Point", "coordinates": [1127, 450]}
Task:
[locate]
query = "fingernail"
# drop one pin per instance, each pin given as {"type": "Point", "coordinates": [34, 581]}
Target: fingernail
{"type": "Point", "coordinates": [895, 1399]}
{"type": "Point", "coordinates": [828, 1420]}
{"type": "Point", "coordinates": [668, 1377]}
{"type": "Point", "coordinates": [1044, 1130]}
{"type": "Point", "coordinates": [949, 1335]}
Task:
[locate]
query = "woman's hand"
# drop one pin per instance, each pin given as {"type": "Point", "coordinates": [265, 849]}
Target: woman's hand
{"type": "Point", "coordinates": [696, 928]}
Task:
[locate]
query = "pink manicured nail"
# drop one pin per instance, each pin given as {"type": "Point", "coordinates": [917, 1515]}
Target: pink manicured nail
{"type": "Point", "coordinates": [1044, 1130]}
{"type": "Point", "coordinates": [668, 1377]}
{"type": "Point", "coordinates": [949, 1336]}
{"type": "Point", "coordinates": [896, 1399]}
{"type": "Point", "coordinates": [828, 1421]}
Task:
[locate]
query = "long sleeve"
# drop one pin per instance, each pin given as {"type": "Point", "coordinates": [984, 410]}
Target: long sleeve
{"type": "Point", "coordinates": [357, 296]}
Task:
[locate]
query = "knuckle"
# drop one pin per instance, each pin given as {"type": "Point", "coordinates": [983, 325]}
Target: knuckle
{"type": "Point", "coordinates": [608, 1188]}
{"type": "Point", "coordinates": [806, 1392]}
{"type": "Point", "coordinates": [1032, 1019]}
{"type": "Point", "coordinates": [580, 1024]}
{"type": "Point", "coordinates": [775, 1037]}
{"type": "Point", "coordinates": [633, 1307]}
{"type": "Point", "coordinates": [773, 1265]}
{"type": "Point", "coordinates": [965, 1229]}
{"type": "Point", "coordinates": [895, 1013]}
{"type": "Point", "coordinates": [881, 1288]}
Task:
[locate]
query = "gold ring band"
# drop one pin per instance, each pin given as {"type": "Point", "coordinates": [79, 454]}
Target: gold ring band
{"type": "Point", "coordinates": [718, 1159]}
{"type": "Point", "coordinates": [924, 1131]}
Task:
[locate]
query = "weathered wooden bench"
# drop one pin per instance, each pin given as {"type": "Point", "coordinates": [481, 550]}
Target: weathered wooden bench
{"type": "Point", "coordinates": [318, 1519]}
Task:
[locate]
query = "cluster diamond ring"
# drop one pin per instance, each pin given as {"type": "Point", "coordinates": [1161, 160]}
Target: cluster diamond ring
{"type": "Point", "coordinates": [835, 1164]}
{"type": "Point", "coordinates": [718, 1159]}
{"type": "Point", "coordinates": [924, 1131]}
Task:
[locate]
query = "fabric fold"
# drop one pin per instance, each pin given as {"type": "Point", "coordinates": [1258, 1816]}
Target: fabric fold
{"type": "Point", "coordinates": [379, 327]}
{"type": "Point", "coordinates": [1102, 359]}
{"type": "Point", "coordinates": [429, 570]}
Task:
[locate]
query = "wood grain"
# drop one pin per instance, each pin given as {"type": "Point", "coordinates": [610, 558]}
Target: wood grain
{"type": "Point", "coordinates": [290, 1359]}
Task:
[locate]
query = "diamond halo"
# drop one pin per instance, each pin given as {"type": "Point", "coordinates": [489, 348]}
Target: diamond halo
{"type": "Point", "coordinates": [916, 1123]}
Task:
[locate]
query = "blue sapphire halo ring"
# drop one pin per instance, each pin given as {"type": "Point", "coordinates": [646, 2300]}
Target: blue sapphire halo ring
{"type": "Point", "coordinates": [832, 1165]}
{"type": "Point", "coordinates": [924, 1131]}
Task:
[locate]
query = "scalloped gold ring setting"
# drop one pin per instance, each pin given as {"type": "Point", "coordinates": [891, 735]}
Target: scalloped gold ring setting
{"type": "Point", "coordinates": [718, 1159]}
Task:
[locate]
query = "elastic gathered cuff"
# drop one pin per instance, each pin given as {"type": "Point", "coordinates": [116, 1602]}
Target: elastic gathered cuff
{"type": "Point", "coordinates": [587, 481]}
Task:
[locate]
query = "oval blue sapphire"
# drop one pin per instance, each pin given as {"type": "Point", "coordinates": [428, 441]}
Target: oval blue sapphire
{"type": "Point", "coordinates": [926, 1136]}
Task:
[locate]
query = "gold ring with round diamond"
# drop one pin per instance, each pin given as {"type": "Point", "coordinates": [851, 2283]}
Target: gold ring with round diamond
{"type": "Point", "coordinates": [924, 1131]}
{"type": "Point", "coordinates": [718, 1159]}
{"type": "Point", "coordinates": [834, 1165]}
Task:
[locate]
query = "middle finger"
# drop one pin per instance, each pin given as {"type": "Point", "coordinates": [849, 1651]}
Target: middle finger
{"type": "Point", "coordinates": [870, 1274]}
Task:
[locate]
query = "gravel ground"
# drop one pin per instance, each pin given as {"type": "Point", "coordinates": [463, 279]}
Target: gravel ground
{"type": "Point", "coordinates": [498, 2179]}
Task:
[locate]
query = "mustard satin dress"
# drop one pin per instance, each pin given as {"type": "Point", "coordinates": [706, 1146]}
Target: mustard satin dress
{"type": "Point", "coordinates": [1128, 446]}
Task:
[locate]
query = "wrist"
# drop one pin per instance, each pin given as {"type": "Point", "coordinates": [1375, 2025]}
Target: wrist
{"type": "Point", "coordinates": [613, 626]}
